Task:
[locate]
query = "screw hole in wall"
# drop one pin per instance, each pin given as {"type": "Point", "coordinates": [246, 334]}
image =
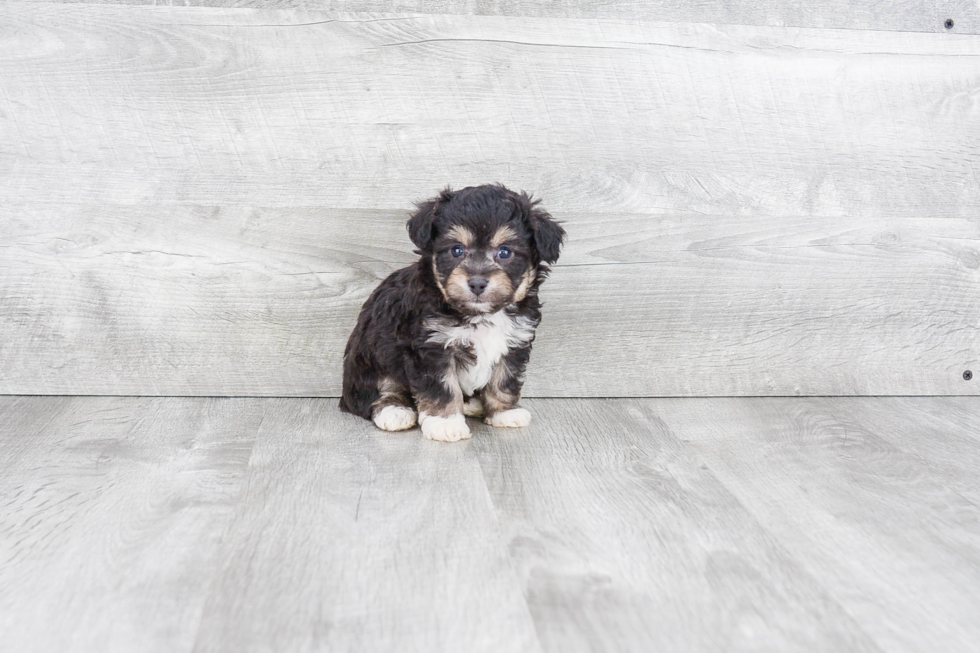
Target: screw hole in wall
{"type": "Point", "coordinates": [967, 375]}
{"type": "Point", "coordinates": [949, 23]}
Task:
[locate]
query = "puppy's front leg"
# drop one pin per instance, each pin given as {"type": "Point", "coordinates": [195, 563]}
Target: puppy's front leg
{"type": "Point", "coordinates": [442, 422]}
{"type": "Point", "coordinates": [440, 403]}
{"type": "Point", "coordinates": [502, 393]}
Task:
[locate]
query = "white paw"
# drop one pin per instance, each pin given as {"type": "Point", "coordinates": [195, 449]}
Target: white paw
{"type": "Point", "coordinates": [445, 429]}
{"type": "Point", "coordinates": [473, 407]}
{"type": "Point", "coordinates": [513, 418]}
{"type": "Point", "coordinates": [395, 418]}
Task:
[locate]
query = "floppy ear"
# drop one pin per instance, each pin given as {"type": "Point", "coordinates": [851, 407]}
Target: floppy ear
{"type": "Point", "coordinates": [421, 226]}
{"type": "Point", "coordinates": [548, 235]}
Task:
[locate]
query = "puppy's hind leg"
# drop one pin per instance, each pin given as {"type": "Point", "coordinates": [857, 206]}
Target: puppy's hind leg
{"type": "Point", "coordinates": [393, 410]}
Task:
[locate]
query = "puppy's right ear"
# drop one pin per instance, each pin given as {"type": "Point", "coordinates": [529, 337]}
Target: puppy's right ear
{"type": "Point", "coordinates": [422, 224]}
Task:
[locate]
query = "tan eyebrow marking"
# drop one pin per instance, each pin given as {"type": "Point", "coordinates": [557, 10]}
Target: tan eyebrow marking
{"type": "Point", "coordinates": [462, 235]}
{"type": "Point", "coordinates": [503, 234]}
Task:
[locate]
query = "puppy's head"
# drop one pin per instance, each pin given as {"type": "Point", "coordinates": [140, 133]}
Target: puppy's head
{"type": "Point", "coordinates": [487, 245]}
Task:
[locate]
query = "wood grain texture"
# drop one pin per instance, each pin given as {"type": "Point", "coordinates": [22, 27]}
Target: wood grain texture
{"type": "Point", "coordinates": [624, 541]}
{"type": "Point", "coordinates": [941, 434]}
{"type": "Point", "coordinates": [889, 532]}
{"type": "Point", "coordinates": [352, 539]}
{"type": "Point", "coordinates": [905, 15]}
{"type": "Point", "coordinates": [184, 300]}
{"type": "Point", "coordinates": [274, 108]}
{"type": "Point", "coordinates": [111, 515]}
{"type": "Point", "coordinates": [135, 524]}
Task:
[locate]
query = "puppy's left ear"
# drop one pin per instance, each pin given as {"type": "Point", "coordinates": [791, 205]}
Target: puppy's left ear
{"type": "Point", "coordinates": [421, 226]}
{"type": "Point", "coordinates": [548, 235]}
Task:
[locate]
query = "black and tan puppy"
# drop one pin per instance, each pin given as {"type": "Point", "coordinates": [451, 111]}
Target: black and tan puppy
{"type": "Point", "coordinates": [451, 335]}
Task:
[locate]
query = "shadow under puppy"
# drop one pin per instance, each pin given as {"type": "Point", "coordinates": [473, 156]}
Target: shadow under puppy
{"type": "Point", "coordinates": [451, 335]}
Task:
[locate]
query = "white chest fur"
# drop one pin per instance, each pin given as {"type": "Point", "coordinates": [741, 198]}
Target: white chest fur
{"type": "Point", "coordinates": [488, 338]}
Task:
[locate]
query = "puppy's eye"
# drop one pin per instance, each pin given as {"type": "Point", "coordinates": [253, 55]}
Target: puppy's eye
{"type": "Point", "coordinates": [504, 253]}
{"type": "Point", "coordinates": [457, 251]}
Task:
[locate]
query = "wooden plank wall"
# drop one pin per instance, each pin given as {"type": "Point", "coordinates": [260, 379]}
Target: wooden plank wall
{"type": "Point", "coordinates": [902, 15]}
{"type": "Point", "coordinates": [195, 201]}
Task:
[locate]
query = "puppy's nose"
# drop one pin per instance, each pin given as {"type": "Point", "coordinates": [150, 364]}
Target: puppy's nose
{"type": "Point", "coordinates": [477, 285]}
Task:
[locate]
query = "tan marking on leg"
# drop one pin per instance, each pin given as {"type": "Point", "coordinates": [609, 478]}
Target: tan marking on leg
{"type": "Point", "coordinates": [495, 398]}
{"type": "Point", "coordinates": [500, 408]}
{"type": "Point", "coordinates": [393, 410]}
{"type": "Point", "coordinates": [473, 407]}
{"type": "Point", "coordinates": [455, 404]}
{"type": "Point", "coordinates": [445, 422]}
{"type": "Point", "coordinates": [388, 387]}
{"type": "Point", "coordinates": [391, 393]}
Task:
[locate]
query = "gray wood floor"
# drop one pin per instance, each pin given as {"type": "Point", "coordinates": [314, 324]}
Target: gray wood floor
{"type": "Point", "coordinates": [817, 524]}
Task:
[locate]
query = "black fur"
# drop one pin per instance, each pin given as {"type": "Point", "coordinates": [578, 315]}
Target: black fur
{"type": "Point", "coordinates": [392, 344]}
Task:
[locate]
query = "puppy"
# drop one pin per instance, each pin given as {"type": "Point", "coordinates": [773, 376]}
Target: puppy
{"type": "Point", "coordinates": [451, 335]}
